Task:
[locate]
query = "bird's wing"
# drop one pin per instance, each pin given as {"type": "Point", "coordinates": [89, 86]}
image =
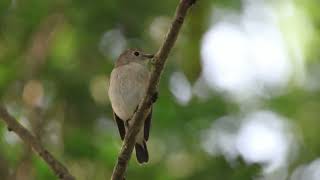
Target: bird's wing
{"type": "Point", "coordinates": [120, 124]}
{"type": "Point", "coordinates": [147, 125]}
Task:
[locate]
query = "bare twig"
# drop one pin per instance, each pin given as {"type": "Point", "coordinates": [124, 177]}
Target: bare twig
{"type": "Point", "coordinates": [159, 59]}
{"type": "Point", "coordinates": [60, 170]}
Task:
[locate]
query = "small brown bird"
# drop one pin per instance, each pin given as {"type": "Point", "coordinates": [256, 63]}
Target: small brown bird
{"type": "Point", "coordinates": [128, 83]}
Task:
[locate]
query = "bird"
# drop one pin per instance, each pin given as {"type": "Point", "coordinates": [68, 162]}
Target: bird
{"type": "Point", "coordinates": [128, 84]}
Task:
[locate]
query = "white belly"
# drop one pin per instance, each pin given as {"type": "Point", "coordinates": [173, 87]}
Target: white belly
{"type": "Point", "coordinates": [127, 88]}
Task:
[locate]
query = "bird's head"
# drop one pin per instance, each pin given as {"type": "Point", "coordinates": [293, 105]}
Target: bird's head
{"type": "Point", "coordinates": [132, 55]}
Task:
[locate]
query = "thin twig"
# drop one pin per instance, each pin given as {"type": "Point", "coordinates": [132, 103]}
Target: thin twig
{"type": "Point", "coordinates": [159, 62]}
{"type": "Point", "coordinates": [13, 125]}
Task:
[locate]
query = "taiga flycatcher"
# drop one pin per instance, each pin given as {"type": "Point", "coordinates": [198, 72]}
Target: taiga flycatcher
{"type": "Point", "coordinates": [128, 82]}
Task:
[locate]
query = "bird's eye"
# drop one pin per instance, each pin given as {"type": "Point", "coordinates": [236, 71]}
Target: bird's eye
{"type": "Point", "coordinates": [136, 53]}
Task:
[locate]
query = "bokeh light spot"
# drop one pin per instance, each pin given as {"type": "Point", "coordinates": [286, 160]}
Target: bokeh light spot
{"type": "Point", "coordinates": [99, 89]}
{"type": "Point", "coordinates": [180, 88]}
{"type": "Point", "coordinates": [33, 93]}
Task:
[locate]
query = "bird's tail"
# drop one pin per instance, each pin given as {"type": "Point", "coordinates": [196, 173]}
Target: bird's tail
{"type": "Point", "coordinates": [142, 152]}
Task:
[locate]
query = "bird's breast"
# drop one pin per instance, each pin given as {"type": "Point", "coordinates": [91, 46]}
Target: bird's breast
{"type": "Point", "coordinates": [128, 85]}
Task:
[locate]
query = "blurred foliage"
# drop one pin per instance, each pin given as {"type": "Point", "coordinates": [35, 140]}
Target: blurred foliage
{"type": "Point", "coordinates": [54, 46]}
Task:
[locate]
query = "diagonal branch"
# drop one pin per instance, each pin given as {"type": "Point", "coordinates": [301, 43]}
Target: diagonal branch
{"type": "Point", "coordinates": [159, 62]}
{"type": "Point", "coordinates": [13, 125]}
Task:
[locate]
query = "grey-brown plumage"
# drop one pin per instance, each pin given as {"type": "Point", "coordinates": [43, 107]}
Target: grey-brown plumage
{"type": "Point", "coordinates": [128, 83]}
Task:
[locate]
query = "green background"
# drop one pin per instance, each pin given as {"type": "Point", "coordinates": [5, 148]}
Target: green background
{"type": "Point", "coordinates": [55, 61]}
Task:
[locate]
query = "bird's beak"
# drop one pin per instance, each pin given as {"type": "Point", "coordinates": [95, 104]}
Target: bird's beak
{"type": "Point", "coordinates": [148, 55]}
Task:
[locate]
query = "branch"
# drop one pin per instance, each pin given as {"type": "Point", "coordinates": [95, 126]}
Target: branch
{"type": "Point", "coordinates": [13, 125]}
{"type": "Point", "coordinates": [159, 62]}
